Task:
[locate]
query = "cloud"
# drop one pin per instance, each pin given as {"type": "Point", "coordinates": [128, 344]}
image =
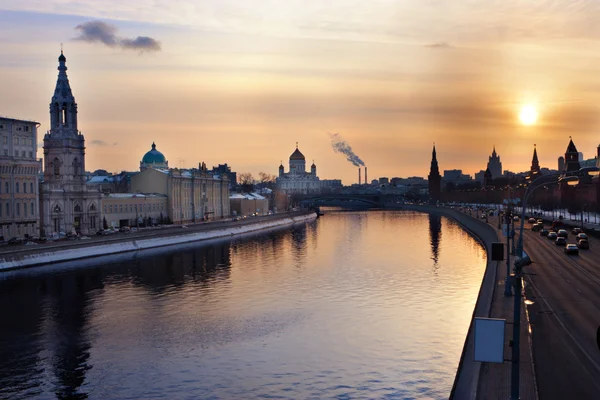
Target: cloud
{"type": "Point", "coordinates": [97, 142]}
{"type": "Point", "coordinates": [438, 45]}
{"type": "Point", "coordinates": [101, 32]}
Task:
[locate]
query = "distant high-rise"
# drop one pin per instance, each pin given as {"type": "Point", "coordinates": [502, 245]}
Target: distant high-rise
{"type": "Point", "coordinates": [435, 179]}
{"type": "Point", "coordinates": [494, 165]}
{"type": "Point", "coordinates": [561, 163]}
{"type": "Point", "coordinates": [535, 164]}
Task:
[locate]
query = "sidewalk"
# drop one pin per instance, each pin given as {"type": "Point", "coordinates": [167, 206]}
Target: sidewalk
{"type": "Point", "coordinates": [494, 379]}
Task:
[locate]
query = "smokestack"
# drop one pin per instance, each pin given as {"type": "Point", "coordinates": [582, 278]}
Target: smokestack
{"type": "Point", "coordinates": [359, 175]}
{"type": "Point", "coordinates": [366, 180]}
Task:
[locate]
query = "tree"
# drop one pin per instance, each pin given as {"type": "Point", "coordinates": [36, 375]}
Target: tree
{"type": "Point", "coordinates": [263, 177]}
{"type": "Point", "coordinates": [246, 181]}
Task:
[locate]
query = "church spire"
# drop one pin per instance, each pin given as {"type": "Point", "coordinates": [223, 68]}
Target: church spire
{"type": "Point", "coordinates": [63, 109]}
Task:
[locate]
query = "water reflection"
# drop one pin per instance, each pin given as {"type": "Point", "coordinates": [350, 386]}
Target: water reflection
{"type": "Point", "coordinates": [341, 307]}
{"type": "Point", "coordinates": [435, 233]}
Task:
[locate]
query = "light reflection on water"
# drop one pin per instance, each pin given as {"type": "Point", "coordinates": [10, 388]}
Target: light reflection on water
{"type": "Point", "coordinates": [354, 305]}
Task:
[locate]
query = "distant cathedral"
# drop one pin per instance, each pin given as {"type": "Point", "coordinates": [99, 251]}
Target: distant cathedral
{"type": "Point", "coordinates": [297, 180]}
{"type": "Point", "coordinates": [494, 165]}
{"type": "Point", "coordinates": [67, 204]}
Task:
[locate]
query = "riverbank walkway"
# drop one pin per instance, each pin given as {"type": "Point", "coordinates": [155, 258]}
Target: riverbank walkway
{"type": "Point", "coordinates": [10, 251]}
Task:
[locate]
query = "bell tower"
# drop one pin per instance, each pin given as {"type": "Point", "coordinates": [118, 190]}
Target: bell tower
{"type": "Point", "coordinates": [64, 145]}
{"type": "Point", "coordinates": [66, 203]}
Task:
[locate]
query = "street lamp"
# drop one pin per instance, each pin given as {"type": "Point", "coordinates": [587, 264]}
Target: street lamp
{"type": "Point", "coordinates": [521, 260]}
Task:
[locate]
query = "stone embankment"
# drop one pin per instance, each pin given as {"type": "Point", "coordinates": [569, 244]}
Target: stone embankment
{"type": "Point", "coordinates": [475, 380]}
{"type": "Point", "coordinates": [58, 252]}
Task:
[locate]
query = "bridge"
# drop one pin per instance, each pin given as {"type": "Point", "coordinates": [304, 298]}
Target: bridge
{"type": "Point", "coordinates": [344, 200]}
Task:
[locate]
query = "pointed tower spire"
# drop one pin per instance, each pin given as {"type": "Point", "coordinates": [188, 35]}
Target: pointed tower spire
{"type": "Point", "coordinates": [535, 164]}
{"type": "Point", "coordinates": [63, 109]}
{"type": "Point", "coordinates": [435, 179]}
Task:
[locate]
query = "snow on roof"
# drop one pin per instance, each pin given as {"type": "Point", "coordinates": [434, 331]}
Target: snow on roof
{"type": "Point", "coordinates": [134, 195]}
{"type": "Point", "coordinates": [247, 196]}
{"type": "Point", "coordinates": [101, 179]}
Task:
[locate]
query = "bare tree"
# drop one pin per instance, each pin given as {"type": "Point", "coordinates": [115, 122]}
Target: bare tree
{"type": "Point", "coordinates": [245, 178]}
{"type": "Point", "coordinates": [263, 177]}
{"type": "Point", "coordinates": [246, 182]}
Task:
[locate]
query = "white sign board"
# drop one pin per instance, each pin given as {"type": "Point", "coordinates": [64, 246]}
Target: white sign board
{"type": "Point", "coordinates": [489, 340]}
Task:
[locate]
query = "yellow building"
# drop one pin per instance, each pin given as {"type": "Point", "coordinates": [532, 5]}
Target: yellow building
{"type": "Point", "coordinates": [194, 195]}
{"type": "Point", "coordinates": [129, 209]}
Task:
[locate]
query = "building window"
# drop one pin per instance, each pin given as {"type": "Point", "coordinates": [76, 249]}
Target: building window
{"type": "Point", "coordinates": [5, 139]}
{"type": "Point", "coordinates": [31, 187]}
{"type": "Point", "coordinates": [77, 208]}
{"type": "Point", "coordinates": [32, 209]}
{"type": "Point", "coordinates": [56, 166]}
{"type": "Point", "coordinates": [16, 187]}
{"type": "Point", "coordinates": [6, 187]}
{"type": "Point", "coordinates": [24, 187]}
{"type": "Point", "coordinates": [18, 209]}
{"type": "Point", "coordinates": [16, 153]}
{"type": "Point", "coordinates": [105, 209]}
{"type": "Point", "coordinates": [23, 153]}
{"type": "Point", "coordinates": [31, 154]}
{"type": "Point", "coordinates": [8, 209]}
{"type": "Point", "coordinates": [24, 209]}
{"type": "Point", "coordinates": [26, 129]}
{"type": "Point", "coordinates": [110, 209]}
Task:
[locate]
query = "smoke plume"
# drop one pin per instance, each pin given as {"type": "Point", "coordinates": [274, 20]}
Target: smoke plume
{"type": "Point", "coordinates": [341, 146]}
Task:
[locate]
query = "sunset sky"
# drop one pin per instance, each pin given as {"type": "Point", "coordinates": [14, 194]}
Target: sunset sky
{"type": "Point", "coordinates": [241, 81]}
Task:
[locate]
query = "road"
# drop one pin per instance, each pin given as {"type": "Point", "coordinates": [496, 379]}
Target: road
{"type": "Point", "coordinates": [565, 317]}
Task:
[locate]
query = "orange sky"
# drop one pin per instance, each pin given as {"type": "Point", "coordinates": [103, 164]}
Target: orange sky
{"type": "Point", "coordinates": [242, 84]}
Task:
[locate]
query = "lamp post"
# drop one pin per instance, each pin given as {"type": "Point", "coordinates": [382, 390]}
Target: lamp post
{"type": "Point", "coordinates": [522, 260]}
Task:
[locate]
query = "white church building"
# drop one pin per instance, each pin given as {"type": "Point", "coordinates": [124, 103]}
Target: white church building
{"type": "Point", "coordinates": [297, 180]}
{"type": "Point", "coordinates": [67, 204]}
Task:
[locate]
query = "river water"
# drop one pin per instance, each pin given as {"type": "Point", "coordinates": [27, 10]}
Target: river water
{"type": "Point", "coordinates": [354, 305]}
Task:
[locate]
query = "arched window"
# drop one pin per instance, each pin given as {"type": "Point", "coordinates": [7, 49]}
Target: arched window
{"type": "Point", "coordinates": [32, 209]}
{"type": "Point", "coordinates": [93, 207]}
{"type": "Point", "coordinates": [77, 208]}
{"type": "Point", "coordinates": [57, 209]}
{"type": "Point", "coordinates": [24, 187]}
{"type": "Point", "coordinates": [56, 163]}
{"type": "Point", "coordinates": [75, 167]}
{"type": "Point", "coordinates": [16, 187]}
{"type": "Point", "coordinates": [31, 187]}
{"type": "Point", "coordinates": [64, 114]}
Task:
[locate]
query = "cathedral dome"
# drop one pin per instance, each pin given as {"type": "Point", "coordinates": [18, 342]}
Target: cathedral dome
{"type": "Point", "coordinates": [153, 156]}
{"type": "Point", "coordinates": [296, 155]}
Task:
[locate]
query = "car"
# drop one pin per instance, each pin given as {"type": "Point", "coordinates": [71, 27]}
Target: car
{"type": "Point", "coordinates": [583, 244]}
{"type": "Point", "coordinates": [582, 236]}
{"type": "Point", "coordinates": [124, 229]}
{"type": "Point", "coordinates": [544, 232]}
{"type": "Point", "coordinates": [571, 249]}
{"type": "Point", "coordinates": [537, 227]}
{"type": "Point", "coordinates": [516, 218]}
{"type": "Point", "coordinates": [15, 240]}
{"type": "Point", "coordinates": [577, 231]}
{"type": "Point", "coordinates": [552, 235]}
{"type": "Point", "coordinates": [532, 220]}
{"type": "Point", "coordinates": [560, 241]}
{"type": "Point", "coordinates": [540, 221]}
{"type": "Point", "coordinates": [562, 233]}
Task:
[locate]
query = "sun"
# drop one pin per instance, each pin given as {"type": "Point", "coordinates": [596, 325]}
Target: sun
{"type": "Point", "coordinates": [528, 115]}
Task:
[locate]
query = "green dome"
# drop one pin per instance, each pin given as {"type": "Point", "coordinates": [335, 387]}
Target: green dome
{"type": "Point", "coordinates": [153, 156]}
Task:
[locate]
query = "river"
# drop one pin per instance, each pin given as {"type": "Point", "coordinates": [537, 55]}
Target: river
{"type": "Point", "coordinates": [354, 305]}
